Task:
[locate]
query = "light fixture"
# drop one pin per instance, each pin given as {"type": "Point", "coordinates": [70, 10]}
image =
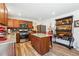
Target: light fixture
{"type": "Point", "coordinates": [53, 13]}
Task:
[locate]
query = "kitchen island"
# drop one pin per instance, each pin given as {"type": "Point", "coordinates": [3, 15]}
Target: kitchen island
{"type": "Point", "coordinates": [40, 42]}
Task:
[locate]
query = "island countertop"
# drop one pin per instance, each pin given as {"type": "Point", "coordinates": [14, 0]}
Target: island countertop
{"type": "Point", "coordinates": [40, 35]}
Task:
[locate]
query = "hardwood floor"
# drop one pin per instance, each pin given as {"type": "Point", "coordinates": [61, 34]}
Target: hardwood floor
{"type": "Point", "coordinates": [25, 49]}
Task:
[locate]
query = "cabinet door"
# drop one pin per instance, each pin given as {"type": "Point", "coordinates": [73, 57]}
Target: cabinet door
{"type": "Point", "coordinates": [23, 22]}
{"type": "Point", "coordinates": [38, 43]}
{"type": "Point", "coordinates": [3, 14]}
{"type": "Point", "coordinates": [44, 44]}
{"type": "Point", "coordinates": [10, 23]}
{"type": "Point", "coordinates": [33, 40]}
{"type": "Point", "coordinates": [39, 28]}
{"type": "Point", "coordinates": [30, 25]}
{"type": "Point", "coordinates": [16, 23]}
{"type": "Point", "coordinates": [6, 16]}
{"type": "Point", "coordinates": [20, 22]}
{"type": "Point", "coordinates": [43, 29]}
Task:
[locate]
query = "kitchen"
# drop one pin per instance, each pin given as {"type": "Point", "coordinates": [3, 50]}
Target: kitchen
{"type": "Point", "coordinates": [35, 29]}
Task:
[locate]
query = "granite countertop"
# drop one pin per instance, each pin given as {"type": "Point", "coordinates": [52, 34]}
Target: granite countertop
{"type": "Point", "coordinates": [41, 35]}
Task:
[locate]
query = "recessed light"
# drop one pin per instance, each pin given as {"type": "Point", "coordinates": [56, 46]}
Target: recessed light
{"type": "Point", "coordinates": [53, 13]}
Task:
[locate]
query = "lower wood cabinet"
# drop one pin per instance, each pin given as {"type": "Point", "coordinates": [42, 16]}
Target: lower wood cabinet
{"type": "Point", "coordinates": [41, 45]}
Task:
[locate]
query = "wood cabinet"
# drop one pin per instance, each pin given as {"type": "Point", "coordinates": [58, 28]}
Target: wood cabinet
{"type": "Point", "coordinates": [64, 31]}
{"type": "Point", "coordinates": [30, 25]}
{"type": "Point", "coordinates": [3, 14]}
{"type": "Point", "coordinates": [10, 23]}
{"type": "Point", "coordinates": [41, 45]}
{"type": "Point", "coordinates": [23, 22]}
{"type": "Point", "coordinates": [41, 28]}
{"type": "Point", "coordinates": [16, 23]}
{"type": "Point", "coordinates": [64, 27]}
{"type": "Point", "coordinates": [13, 23]}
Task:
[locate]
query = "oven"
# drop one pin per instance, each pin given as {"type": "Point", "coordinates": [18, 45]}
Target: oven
{"type": "Point", "coordinates": [23, 34]}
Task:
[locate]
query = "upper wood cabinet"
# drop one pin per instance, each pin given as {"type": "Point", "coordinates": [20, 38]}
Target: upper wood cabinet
{"type": "Point", "coordinates": [3, 14]}
{"type": "Point", "coordinates": [64, 27]}
{"type": "Point", "coordinates": [30, 25]}
{"type": "Point", "coordinates": [16, 23]}
{"type": "Point", "coordinates": [13, 23]}
{"type": "Point", "coordinates": [20, 21]}
{"type": "Point", "coordinates": [10, 23]}
{"type": "Point", "coordinates": [23, 22]}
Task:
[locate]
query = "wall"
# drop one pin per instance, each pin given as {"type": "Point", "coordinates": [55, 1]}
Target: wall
{"type": "Point", "coordinates": [49, 22]}
{"type": "Point", "coordinates": [76, 31]}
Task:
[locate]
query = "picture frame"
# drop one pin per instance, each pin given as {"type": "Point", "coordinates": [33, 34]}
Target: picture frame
{"type": "Point", "coordinates": [76, 23]}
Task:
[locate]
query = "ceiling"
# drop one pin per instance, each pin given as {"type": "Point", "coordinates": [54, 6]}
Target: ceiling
{"type": "Point", "coordinates": [40, 10]}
